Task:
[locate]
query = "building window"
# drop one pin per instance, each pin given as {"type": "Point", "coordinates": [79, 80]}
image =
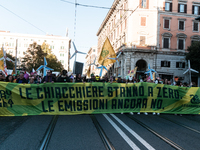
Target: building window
{"type": "Point", "coordinates": [195, 10]}
{"type": "Point", "coordinates": [166, 23]}
{"type": "Point", "coordinates": [144, 4]}
{"type": "Point", "coordinates": [165, 63]}
{"type": "Point", "coordinates": [62, 55]}
{"type": "Point", "coordinates": [181, 25]}
{"type": "Point", "coordinates": [166, 43]}
{"type": "Point", "coordinates": [166, 37]}
{"type": "Point", "coordinates": [62, 61]}
{"type": "Point", "coordinates": [168, 6]}
{"type": "Point", "coordinates": [195, 38]}
{"type": "Point", "coordinates": [142, 40]}
{"type": "Point", "coordinates": [93, 50]}
{"type": "Point", "coordinates": [195, 26]}
{"type": "Point", "coordinates": [180, 64]}
{"type": "Point", "coordinates": [143, 21]}
{"type": "Point", "coordinates": [181, 43]}
{"type": "Point", "coordinates": [182, 8]}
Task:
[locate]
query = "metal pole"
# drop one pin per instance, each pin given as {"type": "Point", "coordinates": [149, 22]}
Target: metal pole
{"type": "Point", "coordinates": [16, 57]}
{"type": "Point", "coordinates": [75, 64]}
{"type": "Point", "coordinates": [190, 77]}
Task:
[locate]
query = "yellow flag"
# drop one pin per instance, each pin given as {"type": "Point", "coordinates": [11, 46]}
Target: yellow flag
{"type": "Point", "coordinates": [2, 61]}
{"type": "Point", "coordinates": [107, 52]}
{"type": "Point", "coordinates": [135, 70]}
{"type": "Point", "coordinates": [88, 71]}
{"type": "Point", "coordinates": [154, 76]}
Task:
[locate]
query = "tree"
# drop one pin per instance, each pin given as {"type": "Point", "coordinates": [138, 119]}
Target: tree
{"type": "Point", "coordinates": [10, 65]}
{"type": "Point", "coordinates": [54, 63]}
{"type": "Point", "coordinates": [35, 57]}
{"type": "Point", "coordinates": [51, 58]}
{"type": "Point", "coordinates": [194, 55]}
{"type": "Point", "coordinates": [45, 48]}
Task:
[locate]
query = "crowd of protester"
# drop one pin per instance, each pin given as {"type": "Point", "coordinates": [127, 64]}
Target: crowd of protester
{"type": "Point", "coordinates": [34, 78]}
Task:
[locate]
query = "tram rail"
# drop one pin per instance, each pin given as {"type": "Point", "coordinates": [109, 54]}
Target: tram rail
{"type": "Point", "coordinates": [48, 134]}
{"type": "Point", "coordinates": [181, 124]}
{"type": "Point", "coordinates": [108, 145]}
{"type": "Point", "coordinates": [168, 141]}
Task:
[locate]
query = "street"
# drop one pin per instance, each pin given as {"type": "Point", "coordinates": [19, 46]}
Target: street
{"type": "Point", "coordinates": [123, 131]}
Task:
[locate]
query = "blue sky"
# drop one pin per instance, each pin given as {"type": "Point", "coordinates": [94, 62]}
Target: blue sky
{"type": "Point", "coordinates": [53, 17]}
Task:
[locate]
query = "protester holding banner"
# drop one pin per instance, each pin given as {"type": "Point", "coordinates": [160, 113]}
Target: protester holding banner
{"type": "Point", "coordinates": [92, 79]}
{"type": "Point", "coordinates": [63, 77]}
{"type": "Point", "coordinates": [78, 78]}
{"type": "Point", "coordinates": [21, 78]}
{"type": "Point", "coordinates": [49, 77]}
{"type": "Point", "coordinates": [2, 77]}
{"type": "Point", "coordinates": [105, 79]}
{"type": "Point", "coordinates": [119, 80]}
{"type": "Point", "coordinates": [10, 78]}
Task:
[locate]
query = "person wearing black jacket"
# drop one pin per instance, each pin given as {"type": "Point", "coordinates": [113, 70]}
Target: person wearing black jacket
{"type": "Point", "coordinates": [63, 77]}
{"type": "Point", "coordinates": [21, 78]}
{"type": "Point", "coordinates": [49, 77]}
{"type": "Point", "coordinates": [78, 78]}
{"type": "Point", "coordinates": [1, 77]}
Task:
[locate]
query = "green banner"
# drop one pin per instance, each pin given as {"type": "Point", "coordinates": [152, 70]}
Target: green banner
{"type": "Point", "coordinates": [93, 98]}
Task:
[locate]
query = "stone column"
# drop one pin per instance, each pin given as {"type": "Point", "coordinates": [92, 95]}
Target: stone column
{"type": "Point", "coordinates": [122, 66]}
{"type": "Point", "coordinates": [132, 61]}
{"type": "Point", "coordinates": [128, 63]}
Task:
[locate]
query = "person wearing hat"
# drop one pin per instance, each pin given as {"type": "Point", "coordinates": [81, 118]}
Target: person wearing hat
{"type": "Point", "coordinates": [49, 77]}
{"type": "Point", "coordinates": [92, 79]}
{"type": "Point", "coordinates": [63, 77]}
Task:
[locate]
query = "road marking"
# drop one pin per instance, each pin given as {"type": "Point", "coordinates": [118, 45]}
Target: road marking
{"type": "Point", "coordinates": [124, 136]}
{"type": "Point", "coordinates": [147, 145]}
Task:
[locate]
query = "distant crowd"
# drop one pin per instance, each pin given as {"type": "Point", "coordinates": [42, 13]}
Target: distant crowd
{"type": "Point", "coordinates": [34, 78]}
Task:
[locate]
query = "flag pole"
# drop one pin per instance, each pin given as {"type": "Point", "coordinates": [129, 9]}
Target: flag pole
{"type": "Point", "coordinates": [190, 77]}
{"type": "Point", "coordinates": [16, 57]}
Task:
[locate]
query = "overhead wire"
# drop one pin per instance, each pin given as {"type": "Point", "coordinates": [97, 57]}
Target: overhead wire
{"type": "Point", "coordinates": [75, 20]}
{"type": "Point", "coordinates": [101, 7]}
{"type": "Point", "coordinates": [22, 19]}
{"type": "Point", "coordinates": [92, 6]}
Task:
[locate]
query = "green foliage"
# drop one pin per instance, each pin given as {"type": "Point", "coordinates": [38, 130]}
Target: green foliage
{"type": "Point", "coordinates": [34, 58]}
{"type": "Point", "coordinates": [54, 63]}
{"type": "Point", "coordinates": [45, 48]}
{"type": "Point", "coordinates": [10, 65]}
{"type": "Point", "coordinates": [194, 55]}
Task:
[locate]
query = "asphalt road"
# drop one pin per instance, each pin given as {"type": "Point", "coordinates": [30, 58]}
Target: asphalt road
{"type": "Point", "coordinates": [124, 132]}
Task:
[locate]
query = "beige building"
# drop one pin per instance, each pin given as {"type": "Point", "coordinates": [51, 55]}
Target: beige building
{"type": "Point", "coordinates": [59, 45]}
{"type": "Point", "coordinates": [89, 59]}
{"type": "Point", "coordinates": [138, 26]}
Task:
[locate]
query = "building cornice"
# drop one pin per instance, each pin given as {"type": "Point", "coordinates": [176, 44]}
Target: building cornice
{"type": "Point", "coordinates": [108, 15]}
{"type": "Point", "coordinates": [150, 51]}
{"type": "Point", "coordinates": [33, 36]}
{"type": "Point", "coordinates": [178, 14]}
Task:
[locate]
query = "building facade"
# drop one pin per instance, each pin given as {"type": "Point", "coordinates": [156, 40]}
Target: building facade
{"type": "Point", "coordinates": [60, 46]}
{"type": "Point", "coordinates": [155, 32]}
{"type": "Point", "coordinates": [89, 59]}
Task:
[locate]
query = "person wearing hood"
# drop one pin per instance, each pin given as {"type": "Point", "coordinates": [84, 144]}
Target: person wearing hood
{"type": "Point", "coordinates": [63, 77]}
